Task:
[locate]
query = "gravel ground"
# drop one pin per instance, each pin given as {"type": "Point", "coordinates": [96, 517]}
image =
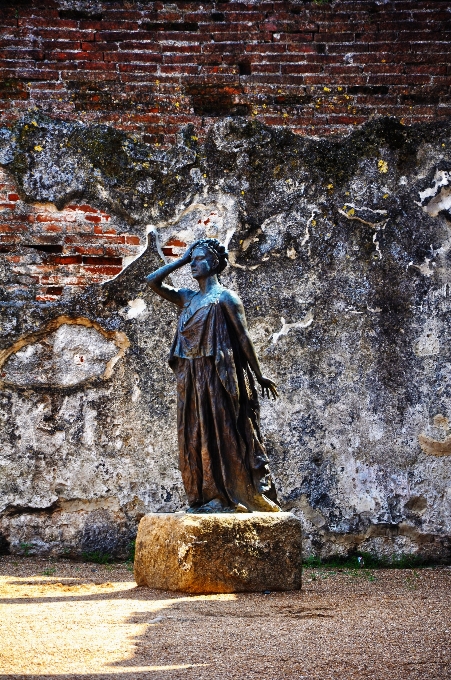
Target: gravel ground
{"type": "Point", "coordinates": [62, 619]}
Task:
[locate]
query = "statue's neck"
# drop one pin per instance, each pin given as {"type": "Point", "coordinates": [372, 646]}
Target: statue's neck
{"type": "Point", "coordinates": [208, 284]}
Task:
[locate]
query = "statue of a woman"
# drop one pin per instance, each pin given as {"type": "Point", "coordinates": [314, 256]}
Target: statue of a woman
{"type": "Point", "coordinates": [223, 460]}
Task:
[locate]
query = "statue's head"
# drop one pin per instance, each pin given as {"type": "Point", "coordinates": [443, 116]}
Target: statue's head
{"type": "Point", "coordinates": [208, 257]}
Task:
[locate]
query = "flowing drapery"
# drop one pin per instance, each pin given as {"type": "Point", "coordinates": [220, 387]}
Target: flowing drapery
{"type": "Point", "coordinates": [221, 452]}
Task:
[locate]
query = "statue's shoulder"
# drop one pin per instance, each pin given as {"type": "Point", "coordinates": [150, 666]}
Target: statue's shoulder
{"type": "Point", "coordinates": [229, 298]}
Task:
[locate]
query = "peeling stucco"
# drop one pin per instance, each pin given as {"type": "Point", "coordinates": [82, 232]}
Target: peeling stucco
{"type": "Point", "coordinates": [286, 327]}
{"type": "Point", "coordinates": [432, 447]}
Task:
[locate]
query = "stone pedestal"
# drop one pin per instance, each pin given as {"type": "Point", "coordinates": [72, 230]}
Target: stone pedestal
{"type": "Point", "coordinates": [219, 553]}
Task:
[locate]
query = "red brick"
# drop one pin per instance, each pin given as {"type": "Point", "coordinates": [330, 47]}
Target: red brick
{"type": "Point", "coordinates": [98, 229]}
{"type": "Point", "coordinates": [59, 34]}
{"type": "Point", "coordinates": [149, 69]}
{"type": "Point", "coordinates": [89, 250]}
{"type": "Point", "coordinates": [12, 228]}
{"type": "Point", "coordinates": [36, 22]}
{"type": "Point", "coordinates": [6, 238]}
{"type": "Point", "coordinates": [119, 36]}
{"type": "Point", "coordinates": [134, 56]}
{"type": "Point", "coordinates": [106, 271]}
{"type": "Point", "coordinates": [83, 207]}
{"type": "Point", "coordinates": [21, 54]}
{"type": "Point", "coordinates": [65, 259]}
{"type": "Point", "coordinates": [301, 68]}
{"type": "Point", "coordinates": [50, 45]}
{"type": "Point", "coordinates": [119, 14]}
{"type": "Point", "coordinates": [54, 228]}
{"type": "Point", "coordinates": [45, 217]}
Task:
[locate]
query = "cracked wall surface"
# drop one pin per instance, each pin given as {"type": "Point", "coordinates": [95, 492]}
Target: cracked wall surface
{"type": "Point", "coordinates": [340, 249]}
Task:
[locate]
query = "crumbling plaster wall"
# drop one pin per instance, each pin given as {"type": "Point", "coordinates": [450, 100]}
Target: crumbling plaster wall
{"type": "Point", "coordinates": [340, 251]}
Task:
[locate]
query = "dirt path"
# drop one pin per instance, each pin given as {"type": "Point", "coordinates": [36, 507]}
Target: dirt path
{"type": "Point", "coordinates": [63, 620]}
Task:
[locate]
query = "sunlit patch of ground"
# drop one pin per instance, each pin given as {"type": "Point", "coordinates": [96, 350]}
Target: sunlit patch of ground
{"type": "Point", "coordinates": [66, 620]}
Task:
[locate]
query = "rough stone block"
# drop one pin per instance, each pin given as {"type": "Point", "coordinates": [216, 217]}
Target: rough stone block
{"type": "Point", "coordinates": [219, 553]}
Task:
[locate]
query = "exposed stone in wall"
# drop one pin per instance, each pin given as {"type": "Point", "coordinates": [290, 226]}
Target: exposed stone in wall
{"type": "Point", "coordinates": [340, 251]}
{"type": "Point", "coordinates": [150, 67]}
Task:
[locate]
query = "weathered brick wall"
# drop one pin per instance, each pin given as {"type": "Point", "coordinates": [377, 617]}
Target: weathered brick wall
{"type": "Point", "coordinates": [149, 67]}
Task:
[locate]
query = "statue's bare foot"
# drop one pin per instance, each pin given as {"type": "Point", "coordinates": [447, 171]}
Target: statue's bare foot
{"type": "Point", "coordinates": [216, 506]}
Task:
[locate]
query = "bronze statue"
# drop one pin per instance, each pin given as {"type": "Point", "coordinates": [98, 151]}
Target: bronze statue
{"type": "Point", "coordinates": [223, 460]}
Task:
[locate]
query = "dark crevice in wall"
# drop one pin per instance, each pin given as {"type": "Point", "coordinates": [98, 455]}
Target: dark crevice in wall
{"type": "Point", "coordinates": [216, 100]}
{"type": "Point", "coordinates": [14, 510]}
{"type": "Point", "coordinates": [244, 68]}
{"type": "Point", "coordinates": [45, 248]}
{"type": "Point", "coordinates": [5, 548]}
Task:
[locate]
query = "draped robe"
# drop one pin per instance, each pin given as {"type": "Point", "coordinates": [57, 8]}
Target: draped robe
{"type": "Point", "coordinates": [221, 451]}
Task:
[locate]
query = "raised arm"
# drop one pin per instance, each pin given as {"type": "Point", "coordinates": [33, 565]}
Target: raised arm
{"type": "Point", "coordinates": [157, 277]}
{"type": "Point", "coordinates": [234, 309]}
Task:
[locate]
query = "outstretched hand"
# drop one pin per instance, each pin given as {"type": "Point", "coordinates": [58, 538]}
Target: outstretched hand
{"type": "Point", "coordinates": [268, 387]}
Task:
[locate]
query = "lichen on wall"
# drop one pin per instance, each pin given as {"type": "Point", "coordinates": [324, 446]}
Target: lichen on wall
{"type": "Point", "coordinates": [339, 249]}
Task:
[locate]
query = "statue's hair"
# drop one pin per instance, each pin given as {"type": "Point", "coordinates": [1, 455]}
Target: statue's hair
{"type": "Point", "coordinates": [216, 249]}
